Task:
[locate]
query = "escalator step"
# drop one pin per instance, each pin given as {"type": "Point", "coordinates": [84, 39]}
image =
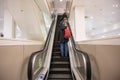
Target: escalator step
{"type": "Point", "coordinates": [58, 58]}
{"type": "Point", "coordinates": [56, 48]}
{"type": "Point", "coordinates": [56, 54]}
{"type": "Point", "coordinates": [60, 79]}
{"type": "Point", "coordinates": [60, 71]}
{"type": "Point", "coordinates": [60, 65]}
{"type": "Point", "coordinates": [56, 44]}
{"type": "Point", "coordinates": [60, 76]}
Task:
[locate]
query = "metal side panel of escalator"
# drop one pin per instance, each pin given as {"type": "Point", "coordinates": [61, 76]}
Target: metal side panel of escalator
{"type": "Point", "coordinates": [49, 63]}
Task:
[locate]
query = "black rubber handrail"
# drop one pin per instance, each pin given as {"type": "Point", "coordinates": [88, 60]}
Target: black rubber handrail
{"type": "Point", "coordinates": [88, 64]}
{"type": "Point", "coordinates": [39, 52]}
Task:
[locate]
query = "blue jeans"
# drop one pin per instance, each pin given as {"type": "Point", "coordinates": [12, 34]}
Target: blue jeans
{"type": "Point", "coordinates": [64, 49]}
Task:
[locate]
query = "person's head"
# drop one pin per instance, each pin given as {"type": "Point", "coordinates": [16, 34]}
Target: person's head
{"type": "Point", "coordinates": [65, 15]}
{"type": "Point", "coordinates": [65, 19]}
{"type": "Point", "coordinates": [1, 35]}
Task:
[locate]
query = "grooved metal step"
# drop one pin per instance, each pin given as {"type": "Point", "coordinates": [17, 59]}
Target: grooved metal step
{"type": "Point", "coordinates": [59, 58]}
{"type": "Point", "coordinates": [60, 62]}
{"type": "Point", "coordinates": [60, 79]}
{"type": "Point", "coordinates": [60, 71]}
{"type": "Point", "coordinates": [56, 54]}
{"type": "Point", "coordinates": [60, 66]}
{"type": "Point", "coordinates": [54, 50]}
{"type": "Point", "coordinates": [56, 45]}
{"type": "Point", "coordinates": [60, 76]}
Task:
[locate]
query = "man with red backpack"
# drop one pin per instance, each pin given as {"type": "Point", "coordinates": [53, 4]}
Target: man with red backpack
{"type": "Point", "coordinates": [64, 37]}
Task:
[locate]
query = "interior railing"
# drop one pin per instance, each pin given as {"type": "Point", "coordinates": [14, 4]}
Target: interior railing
{"type": "Point", "coordinates": [39, 61]}
{"type": "Point", "coordinates": [80, 62]}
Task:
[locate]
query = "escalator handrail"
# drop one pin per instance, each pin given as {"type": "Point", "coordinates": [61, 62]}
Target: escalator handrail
{"type": "Point", "coordinates": [88, 64]}
{"type": "Point", "coordinates": [31, 59]}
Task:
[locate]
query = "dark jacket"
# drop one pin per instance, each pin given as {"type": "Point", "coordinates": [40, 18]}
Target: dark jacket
{"type": "Point", "coordinates": [62, 39]}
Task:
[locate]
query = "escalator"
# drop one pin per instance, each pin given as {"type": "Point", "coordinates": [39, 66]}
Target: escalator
{"type": "Point", "coordinates": [60, 66]}
{"type": "Point", "coordinates": [47, 64]}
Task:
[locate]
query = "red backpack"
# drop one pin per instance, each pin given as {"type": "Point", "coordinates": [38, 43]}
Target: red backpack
{"type": "Point", "coordinates": [67, 33]}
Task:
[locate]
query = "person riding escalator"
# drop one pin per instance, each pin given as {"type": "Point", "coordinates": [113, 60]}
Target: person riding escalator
{"type": "Point", "coordinates": [63, 40]}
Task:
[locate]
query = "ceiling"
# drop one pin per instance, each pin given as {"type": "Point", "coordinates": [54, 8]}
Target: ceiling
{"type": "Point", "coordinates": [60, 6]}
{"type": "Point", "coordinates": [100, 16]}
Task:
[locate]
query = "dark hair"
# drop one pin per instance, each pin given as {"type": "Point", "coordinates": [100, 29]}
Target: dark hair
{"type": "Point", "coordinates": [1, 35]}
{"type": "Point", "coordinates": [65, 15]}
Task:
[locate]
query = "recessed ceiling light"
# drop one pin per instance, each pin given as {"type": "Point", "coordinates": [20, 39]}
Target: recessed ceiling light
{"type": "Point", "coordinates": [116, 5]}
{"type": "Point", "coordinates": [103, 36]}
{"type": "Point", "coordinates": [105, 30]}
{"type": "Point", "coordinates": [118, 33]}
{"type": "Point", "coordinates": [113, 12]}
{"type": "Point", "coordinates": [115, 27]}
{"type": "Point", "coordinates": [91, 17]}
{"type": "Point", "coordinates": [113, 5]}
{"type": "Point", "coordinates": [61, 0]}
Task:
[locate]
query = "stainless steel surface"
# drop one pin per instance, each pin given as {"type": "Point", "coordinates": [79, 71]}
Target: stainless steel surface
{"type": "Point", "coordinates": [79, 65]}
{"type": "Point", "coordinates": [39, 60]}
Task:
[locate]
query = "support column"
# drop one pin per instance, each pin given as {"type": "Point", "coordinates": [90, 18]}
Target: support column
{"type": "Point", "coordinates": [9, 29]}
{"type": "Point", "coordinates": [80, 32]}
{"type": "Point", "coordinates": [1, 15]}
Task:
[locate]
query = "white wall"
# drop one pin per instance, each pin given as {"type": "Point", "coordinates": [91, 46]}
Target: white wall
{"type": "Point", "coordinates": [80, 23]}
{"type": "Point", "coordinates": [100, 19]}
{"type": "Point", "coordinates": [29, 17]}
{"type": "Point", "coordinates": [72, 21]}
{"type": "Point", "coordinates": [9, 28]}
{"type": "Point", "coordinates": [14, 56]}
{"type": "Point", "coordinates": [104, 57]}
{"type": "Point", "coordinates": [1, 15]}
{"type": "Point", "coordinates": [77, 20]}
